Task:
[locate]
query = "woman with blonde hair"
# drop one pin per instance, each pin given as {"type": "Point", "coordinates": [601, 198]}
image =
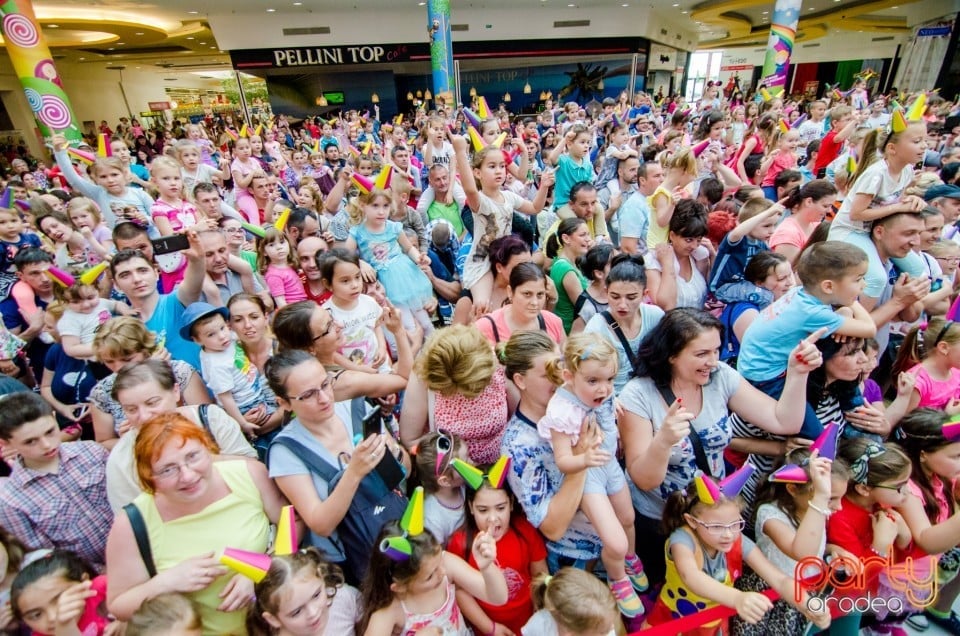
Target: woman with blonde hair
{"type": "Point", "coordinates": [458, 386]}
{"type": "Point", "coordinates": [122, 342]}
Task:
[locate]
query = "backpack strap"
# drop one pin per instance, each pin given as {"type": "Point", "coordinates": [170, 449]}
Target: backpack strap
{"type": "Point", "coordinates": [139, 527]}
{"type": "Point", "coordinates": [615, 328]}
{"type": "Point", "coordinates": [541, 322]}
{"type": "Point", "coordinates": [203, 411]}
{"type": "Point", "coordinates": [493, 325]}
{"type": "Point", "coordinates": [699, 455]}
{"type": "Point", "coordinates": [314, 462]}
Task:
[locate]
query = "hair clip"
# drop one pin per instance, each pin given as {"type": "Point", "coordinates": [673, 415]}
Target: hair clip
{"type": "Point", "coordinates": [398, 548]}
{"type": "Point", "coordinates": [496, 476]}
{"type": "Point", "coordinates": [951, 429]}
{"type": "Point", "coordinates": [861, 467]}
{"type": "Point", "coordinates": [710, 492]}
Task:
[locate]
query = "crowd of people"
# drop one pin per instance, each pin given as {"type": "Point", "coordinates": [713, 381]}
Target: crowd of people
{"type": "Point", "coordinates": [577, 372]}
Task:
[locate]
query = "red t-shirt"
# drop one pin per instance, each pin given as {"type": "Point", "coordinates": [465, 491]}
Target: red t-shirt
{"type": "Point", "coordinates": [851, 528]}
{"type": "Point", "coordinates": [829, 150]}
{"type": "Point", "coordinates": [516, 550]}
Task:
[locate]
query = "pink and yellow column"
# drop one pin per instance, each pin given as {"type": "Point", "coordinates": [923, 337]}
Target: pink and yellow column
{"type": "Point", "coordinates": [783, 32]}
{"type": "Point", "coordinates": [34, 66]}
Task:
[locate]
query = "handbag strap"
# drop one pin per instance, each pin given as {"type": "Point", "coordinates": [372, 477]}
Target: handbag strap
{"type": "Point", "coordinates": [631, 356]}
{"type": "Point", "coordinates": [314, 462]}
{"type": "Point", "coordinates": [699, 455]}
{"type": "Point", "coordinates": [139, 527]}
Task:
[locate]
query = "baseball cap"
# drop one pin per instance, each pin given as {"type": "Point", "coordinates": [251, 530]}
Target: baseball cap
{"type": "Point", "coordinates": [195, 312]}
{"type": "Point", "coordinates": [942, 191]}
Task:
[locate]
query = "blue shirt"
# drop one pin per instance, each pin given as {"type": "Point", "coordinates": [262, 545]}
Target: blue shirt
{"type": "Point", "coordinates": [635, 220]}
{"type": "Point", "coordinates": [165, 323]}
{"type": "Point", "coordinates": [779, 328]}
{"type": "Point", "coordinates": [732, 259]}
{"type": "Point", "coordinates": [570, 172]}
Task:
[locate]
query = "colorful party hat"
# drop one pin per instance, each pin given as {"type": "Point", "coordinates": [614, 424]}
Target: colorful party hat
{"type": "Point", "coordinates": [364, 184]}
{"type": "Point", "coordinates": [316, 147]}
{"type": "Point", "coordinates": [700, 147]}
{"type": "Point", "coordinates": [252, 565]}
{"type": "Point", "coordinates": [498, 472]}
{"type": "Point", "coordinates": [367, 147]}
{"type": "Point", "coordinates": [84, 156]}
{"type": "Point", "coordinates": [802, 118]}
{"type": "Point", "coordinates": [707, 490]}
{"type": "Point", "coordinates": [60, 277]}
{"type": "Point", "coordinates": [476, 139]}
{"type": "Point", "coordinates": [483, 109]}
{"type": "Point", "coordinates": [399, 119]}
{"type": "Point", "coordinates": [286, 541]}
{"type": "Point", "coordinates": [244, 132]}
{"type": "Point", "coordinates": [412, 519]}
{"type": "Point", "coordinates": [917, 108]}
{"type": "Point", "coordinates": [103, 146]}
{"type": "Point", "coordinates": [851, 165]}
{"type": "Point", "coordinates": [734, 483]}
{"type": "Point", "coordinates": [471, 474]}
{"type": "Point", "coordinates": [233, 134]}
{"type": "Point", "coordinates": [256, 230]}
{"type": "Point", "coordinates": [789, 474]}
{"type": "Point", "coordinates": [354, 151]}
{"type": "Point", "coordinates": [396, 548]}
{"type": "Point", "coordinates": [415, 162]}
{"type": "Point", "coordinates": [90, 276]}
{"type": "Point", "coordinates": [258, 130]}
{"type": "Point", "coordinates": [784, 126]}
{"type": "Point", "coordinates": [502, 137]}
{"type": "Point", "coordinates": [951, 430]}
{"type": "Point", "coordinates": [23, 205]}
{"type": "Point", "coordinates": [382, 182]}
{"type": "Point", "coordinates": [6, 201]}
{"type": "Point", "coordinates": [826, 443]}
{"type": "Point", "coordinates": [765, 94]}
{"type": "Point", "coordinates": [281, 221]}
{"type": "Point", "coordinates": [898, 122]}
{"type": "Point", "coordinates": [617, 122]}
{"type": "Point", "coordinates": [472, 117]}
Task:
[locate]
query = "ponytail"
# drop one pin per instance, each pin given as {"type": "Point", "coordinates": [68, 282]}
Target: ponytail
{"type": "Point", "coordinates": [869, 154]}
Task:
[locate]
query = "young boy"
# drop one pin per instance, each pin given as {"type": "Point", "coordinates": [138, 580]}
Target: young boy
{"type": "Point", "coordinates": [12, 240]}
{"type": "Point", "coordinates": [56, 495]}
{"type": "Point", "coordinates": [812, 129]}
{"type": "Point", "coordinates": [831, 275]}
{"type": "Point", "coordinates": [224, 366]}
{"type": "Point", "coordinates": [842, 124]}
{"type": "Point", "coordinates": [755, 225]}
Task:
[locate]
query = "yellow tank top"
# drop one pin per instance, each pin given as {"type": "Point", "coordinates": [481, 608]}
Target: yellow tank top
{"type": "Point", "coordinates": [656, 234]}
{"type": "Point", "coordinates": [236, 521]}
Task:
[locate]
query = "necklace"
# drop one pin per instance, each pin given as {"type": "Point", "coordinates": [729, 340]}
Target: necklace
{"type": "Point", "coordinates": [458, 506]}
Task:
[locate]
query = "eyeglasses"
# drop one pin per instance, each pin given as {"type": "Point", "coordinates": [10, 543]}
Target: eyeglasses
{"type": "Point", "coordinates": [897, 488]}
{"type": "Point", "coordinates": [718, 529]}
{"type": "Point", "coordinates": [313, 394]}
{"type": "Point", "coordinates": [233, 230]}
{"type": "Point", "coordinates": [326, 332]}
{"type": "Point", "coordinates": [949, 259]}
{"type": "Point", "coordinates": [191, 461]}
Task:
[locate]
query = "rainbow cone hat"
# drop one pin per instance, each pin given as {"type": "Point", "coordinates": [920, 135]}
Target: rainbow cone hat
{"type": "Point", "coordinates": [81, 155]}
{"type": "Point", "coordinates": [710, 492]}
{"type": "Point", "coordinates": [363, 184]}
{"type": "Point", "coordinates": [398, 548]}
{"type": "Point", "coordinates": [103, 146]}
{"type": "Point", "coordinates": [496, 476]}
{"type": "Point", "coordinates": [789, 474]}
{"type": "Point", "coordinates": [784, 127]}
{"type": "Point", "coordinates": [286, 541]}
{"type": "Point", "coordinates": [90, 276]}
{"type": "Point", "coordinates": [826, 442]}
{"type": "Point", "coordinates": [476, 139]}
{"type": "Point", "coordinates": [382, 182]}
{"type": "Point", "coordinates": [252, 565]}
{"type": "Point", "coordinates": [483, 108]}
{"type": "Point", "coordinates": [472, 117]}
{"type": "Point", "coordinates": [60, 277]}
{"type": "Point", "coordinates": [951, 430]}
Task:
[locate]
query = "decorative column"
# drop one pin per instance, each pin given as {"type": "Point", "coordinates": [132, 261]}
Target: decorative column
{"type": "Point", "coordinates": [441, 49]}
{"type": "Point", "coordinates": [783, 31]}
{"type": "Point", "coordinates": [34, 67]}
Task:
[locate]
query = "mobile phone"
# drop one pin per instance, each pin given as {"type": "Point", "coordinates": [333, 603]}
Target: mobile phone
{"type": "Point", "coordinates": [168, 244]}
{"type": "Point", "coordinates": [390, 470]}
{"type": "Point", "coordinates": [372, 423]}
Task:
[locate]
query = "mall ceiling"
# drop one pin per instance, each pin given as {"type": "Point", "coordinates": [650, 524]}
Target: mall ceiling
{"type": "Point", "coordinates": [176, 34]}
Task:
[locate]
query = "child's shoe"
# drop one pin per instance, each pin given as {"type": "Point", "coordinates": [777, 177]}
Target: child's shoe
{"type": "Point", "coordinates": [635, 573]}
{"type": "Point", "coordinates": [627, 599]}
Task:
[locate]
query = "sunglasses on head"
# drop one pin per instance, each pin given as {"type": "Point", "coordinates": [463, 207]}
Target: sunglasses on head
{"type": "Point", "coordinates": [444, 448]}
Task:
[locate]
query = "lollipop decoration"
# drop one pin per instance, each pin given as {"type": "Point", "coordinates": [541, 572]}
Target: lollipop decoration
{"type": "Point", "coordinates": [496, 476]}
{"type": "Point", "coordinates": [398, 548]}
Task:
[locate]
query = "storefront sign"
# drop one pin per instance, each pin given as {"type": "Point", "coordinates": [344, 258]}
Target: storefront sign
{"type": "Point", "coordinates": [158, 105]}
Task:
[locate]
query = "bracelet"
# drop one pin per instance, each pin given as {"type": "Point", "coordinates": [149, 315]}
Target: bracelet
{"type": "Point", "coordinates": [878, 552]}
{"type": "Point", "coordinates": [825, 513]}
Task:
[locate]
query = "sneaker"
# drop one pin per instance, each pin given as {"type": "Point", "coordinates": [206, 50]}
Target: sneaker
{"type": "Point", "coordinates": [627, 600]}
{"type": "Point", "coordinates": [635, 573]}
{"type": "Point", "coordinates": [919, 622]}
{"type": "Point", "coordinates": [951, 622]}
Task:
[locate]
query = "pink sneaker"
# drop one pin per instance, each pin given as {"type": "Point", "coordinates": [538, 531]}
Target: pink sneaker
{"type": "Point", "coordinates": [627, 599]}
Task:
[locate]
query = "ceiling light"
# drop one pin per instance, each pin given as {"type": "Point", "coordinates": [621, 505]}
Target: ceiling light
{"type": "Point", "coordinates": [765, 12]}
{"type": "Point", "coordinates": [812, 9]}
{"type": "Point", "coordinates": [190, 37]}
{"type": "Point", "coordinates": [111, 49]}
{"type": "Point", "coordinates": [53, 26]}
{"type": "Point", "coordinates": [120, 43]}
{"type": "Point", "coordinates": [82, 59]}
{"type": "Point", "coordinates": [202, 43]}
{"type": "Point", "coordinates": [270, 10]}
{"type": "Point", "coordinates": [193, 12]}
{"type": "Point", "coordinates": [139, 33]}
{"type": "Point", "coordinates": [213, 47]}
{"type": "Point", "coordinates": [683, 12]}
{"type": "Point", "coordinates": [297, 4]}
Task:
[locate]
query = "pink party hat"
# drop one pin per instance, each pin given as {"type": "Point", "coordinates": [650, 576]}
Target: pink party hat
{"type": "Point", "coordinates": [286, 541]}
{"type": "Point", "coordinates": [232, 134]}
{"type": "Point", "coordinates": [415, 162]}
{"type": "Point", "coordinates": [354, 151]}
{"type": "Point", "coordinates": [707, 489]}
{"type": "Point", "coordinates": [700, 147]}
{"type": "Point", "coordinates": [734, 483]}
{"type": "Point", "coordinates": [60, 277]}
{"type": "Point", "coordinates": [84, 156]}
{"type": "Point", "coordinates": [826, 443]}
{"type": "Point", "coordinates": [789, 474]}
{"type": "Point", "coordinates": [784, 128]}
{"type": "Point", "coordinates": [364, 184]}
{"type": "Point", "coordinates": [951, 430]}
{"type": "Point", "coordinates": [252, 565]}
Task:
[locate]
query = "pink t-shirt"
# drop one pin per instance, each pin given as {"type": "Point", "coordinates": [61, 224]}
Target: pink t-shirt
{"type": "Point", "coordinates": [284, 281]}
{"type": "Point", "coordinates": [935, 393]}
{"type": "Point", "coordinates": [790, 233]}
{"type": "Point", "coordinates": [180, 217]}
{"type": "Point", "coordinates": [783, 161]}
{"type": "Point", "coordinates": [552, 325]}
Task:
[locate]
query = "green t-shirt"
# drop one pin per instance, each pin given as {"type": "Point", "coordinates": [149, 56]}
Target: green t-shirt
{"type": "Point", "coordinates": [448, 212]}
{"type": "Point", "coordinates": [565, 305]}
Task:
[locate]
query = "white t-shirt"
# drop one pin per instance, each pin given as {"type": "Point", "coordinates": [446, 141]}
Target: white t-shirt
{"type": "Point", "coordinates": [84, 326]}
{"type": "Point", "coordinates": [690, 293]}
{"type": "Point", "coordinates": [490, 222]}
{"type": "Point", "coordinates": [359, 329]}
{"type": "Point", "coordinates": [442, 155]}
{"type": "Point", "coordinates": [231, 370]}
{"type": "Point", "coordinates": [881, 185]}
{"type": "Point", "coordinates": [440, 520]}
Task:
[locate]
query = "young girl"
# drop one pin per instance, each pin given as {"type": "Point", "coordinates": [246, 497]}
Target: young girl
{"type": "Point", "coordinates": [936, 379]}
{"type": "Point", "coordinates": [60, 591]}
{"type": "Point", "coordinates": [790, 525]}
{"type": "Point", "coordinates": [746, 161]}
{"type": "Point", "coordinates": [419, 592]}
{"type": "Point", "coordinates": [242, 170]}
{"type": "Point", "coordinates": [363, 345]}
{"type": "Point", "coordinates": [192, 168]}
{"type": "Point", "coordinates": [86, 311]}
{"type": "Point", "coordinates": [171, 212]}
{"type": "Point", "coordinates": [115, 199]}
{"type": "Point", "coordinates": [593, 300]}
{"type": "Point", "coordinates": [522, 552]}
{"type": "Point", "coordinates": [12, 558]}
{"type": "Point", "coordinates": [930, 509]}
{"type": "Point", "coordinates": [679, 171]}
{"type": "Point", "coordinates": [197, 136]}
{"type": "Point", "coordinates": [590, 366]}
{"type": "Point", "coordinates": [85, 218]}
{"type": "Point", "coordinates": [868, 524]}
{"type": "Point", "coordinates": [784, 157]}
{"type": "Point", "coordinates": [445, 499]}
{"type": "Point", "coordinates": [808, 207]}
{"type": "Point", "coordinates": [877, 191]}
{"type": "Point", "coordinates": [170, 614]}
{"type": "Point", "coordinates": [277, 263]}
{"type": "Point", "coordinates": [302, 595]}
{"type": "Point", "coordinates": [705, 554]}
{"type": "Point", "coordinates": [383, 244]}
{"type": "Point", "coordinates": [572, 159]}
{"type": "Point", "coordinates": [572, 603]}
{"type": "Point", "coordinates": [492, 214]}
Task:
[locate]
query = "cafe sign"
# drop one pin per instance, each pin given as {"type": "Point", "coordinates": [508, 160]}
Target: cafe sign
{"type": "Point", "coordinates": [328, 56]}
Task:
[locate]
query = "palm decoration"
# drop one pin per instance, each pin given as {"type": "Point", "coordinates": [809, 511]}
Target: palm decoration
{"type": "Point", "coordinates": [584, 82]}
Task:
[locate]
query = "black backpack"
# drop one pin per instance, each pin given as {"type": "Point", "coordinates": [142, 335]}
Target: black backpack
{"type": "Point", "coordinates": [372, 507]}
